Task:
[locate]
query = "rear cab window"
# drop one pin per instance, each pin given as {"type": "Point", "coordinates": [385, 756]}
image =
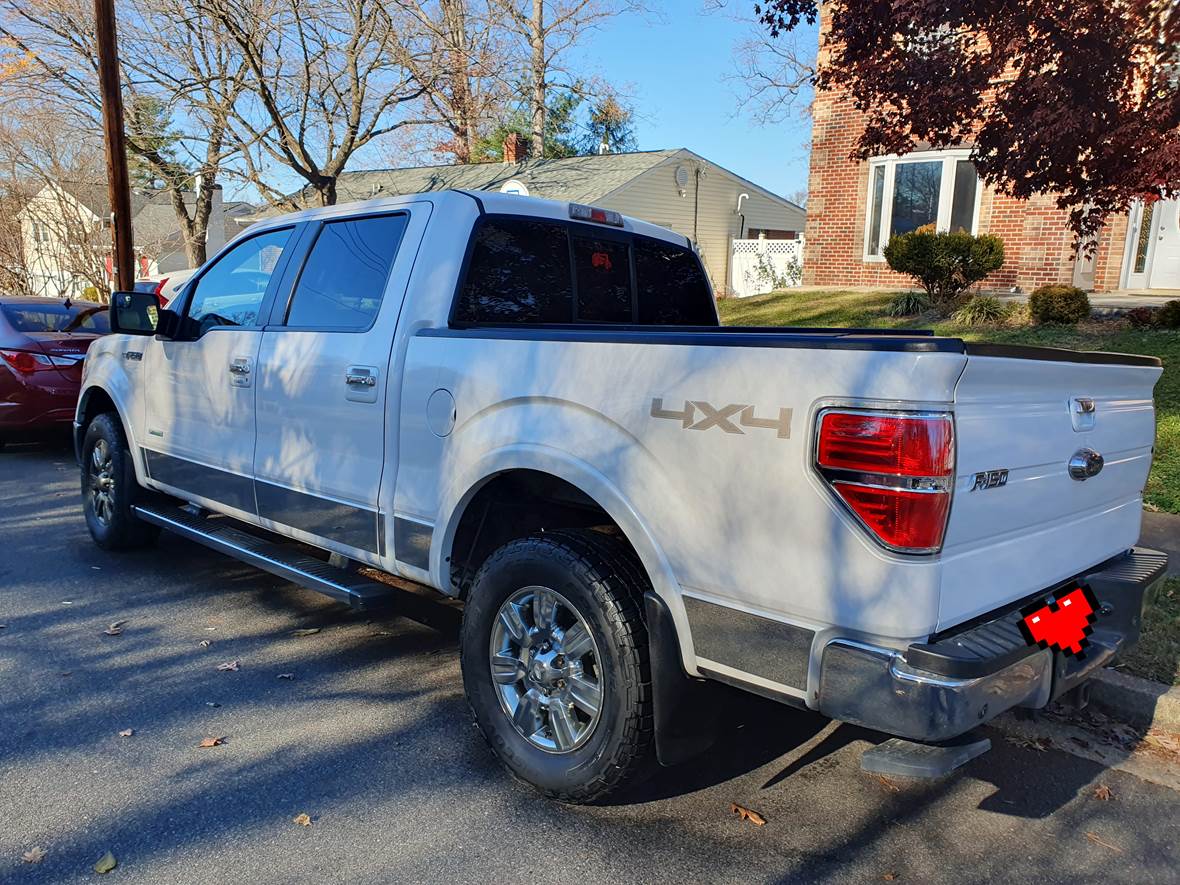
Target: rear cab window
{"type": "Point", "coordinates": [532, 271]}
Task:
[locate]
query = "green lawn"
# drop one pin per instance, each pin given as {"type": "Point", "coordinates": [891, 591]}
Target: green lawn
{"type": "Point", "coordinates": [867, 310]}
{"type": "Point", "coordinates": [1158, 654]}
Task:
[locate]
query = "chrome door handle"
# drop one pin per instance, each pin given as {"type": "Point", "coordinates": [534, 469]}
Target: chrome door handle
{"type": "Point", "coordinates": [237, 368]}
{"type": "Point", "coordinates": [363, 380]}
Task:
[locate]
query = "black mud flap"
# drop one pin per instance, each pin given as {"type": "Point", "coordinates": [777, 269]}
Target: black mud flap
{"type": "Point", "coordinates": [687, 710]}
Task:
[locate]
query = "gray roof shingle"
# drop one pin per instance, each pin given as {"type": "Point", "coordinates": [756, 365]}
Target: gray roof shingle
{"type": "Point", "coordinates": [573, 179]}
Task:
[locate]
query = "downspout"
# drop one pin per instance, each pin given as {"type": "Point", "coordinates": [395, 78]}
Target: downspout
{"type": "Point", "coordinates": [741, 235]}
{"type": "Point", "coordinates": [696, 205]}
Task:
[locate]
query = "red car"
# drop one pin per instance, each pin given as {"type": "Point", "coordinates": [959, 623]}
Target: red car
{"type": "Point", "coordinates": [43, 342]}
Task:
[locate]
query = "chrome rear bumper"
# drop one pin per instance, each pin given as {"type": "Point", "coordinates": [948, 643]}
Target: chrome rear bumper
{"type": "Point", "coordinates": [944, 687]}
{"type": "Point", "coordinates": [876, 688]}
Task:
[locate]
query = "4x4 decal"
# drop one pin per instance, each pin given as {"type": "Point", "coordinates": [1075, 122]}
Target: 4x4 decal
{"type": "Point", "coordinates": [722, 417]}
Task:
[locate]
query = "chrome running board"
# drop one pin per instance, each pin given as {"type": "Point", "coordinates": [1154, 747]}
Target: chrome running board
{"type": "Point", "coordinates": [393, 596]}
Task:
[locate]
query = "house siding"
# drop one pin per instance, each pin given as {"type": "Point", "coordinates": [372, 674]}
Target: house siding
{"type": "Point", "coordinates": [1038, 243]}
{"type": "Point", "coordinates": [654, 196]}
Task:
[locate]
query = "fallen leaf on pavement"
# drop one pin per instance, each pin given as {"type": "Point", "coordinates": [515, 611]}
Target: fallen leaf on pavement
{"type": "Point", "coordinates": [1168, 742]}
{"type": "Point", "coordinates": [304, 820]}
{"type": "Point", "coordinates": [1038, 744]}
{"type": "Point", "coordinates": [306, 631]}
{"type": "Point", "coordinates": [889, 877]}
{"type": "Point", "coordinates": [746, 814]}
{"type": "Point", "coordinates": [286, 676]}
{"type": "Point", "coordinates": [127, 732]}
{"type": "Point", "coordinates": [888, 784]}
{"type": "Point", "coordinates": [106, 863]}
{"type": "Point", "coordinates": [114, 629]}
{"type": "Point", "coordinates": [1103, 793]}
{"type": "Point", "coordinates": [1098, 840]}
{"type": "Point", "coordinates": [211, 742]}
{"type": "Point", "coordinates": [230, 666]}
{"type": "Point", "coordinates": [36, 854]}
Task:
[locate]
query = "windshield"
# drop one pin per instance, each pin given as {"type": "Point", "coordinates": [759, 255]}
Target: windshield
{"type": "Point", "coordinates": [53, 317]}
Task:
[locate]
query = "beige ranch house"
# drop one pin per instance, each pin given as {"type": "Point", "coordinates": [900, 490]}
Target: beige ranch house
{"type": "Point", "coordinates": [677, 189]}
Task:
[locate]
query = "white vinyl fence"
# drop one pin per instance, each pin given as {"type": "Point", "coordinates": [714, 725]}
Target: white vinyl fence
{"type": "Point", "coordinates": [758, 266]}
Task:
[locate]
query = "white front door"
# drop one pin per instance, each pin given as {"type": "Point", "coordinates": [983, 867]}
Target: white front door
{"type": "Point", "coordinates": [324, 410]}
{"type": "Point", "coordinates": [1165, 263]}
{"type": "Point", "coordinates": [200, 388]}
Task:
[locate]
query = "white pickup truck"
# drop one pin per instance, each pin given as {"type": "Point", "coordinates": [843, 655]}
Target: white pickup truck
{"type": "Point", "coordinates": [530, 409]}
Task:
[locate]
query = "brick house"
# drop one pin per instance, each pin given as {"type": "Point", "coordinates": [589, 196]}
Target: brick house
{"type": "Point", "coordinates": [855, 206]}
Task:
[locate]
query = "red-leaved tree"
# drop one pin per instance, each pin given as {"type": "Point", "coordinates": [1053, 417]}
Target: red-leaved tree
{"type": "Point", "coordinates": [1077, 98]}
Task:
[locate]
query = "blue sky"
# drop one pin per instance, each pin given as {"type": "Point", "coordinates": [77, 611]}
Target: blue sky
{"type": "Point", "coordinates": [676, 69]}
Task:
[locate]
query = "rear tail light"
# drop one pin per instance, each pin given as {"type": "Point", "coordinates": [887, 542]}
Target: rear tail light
{"type": "Point", "coordinates": [23, 362]}
{"type": "Point", "coordinates": [893, 471]}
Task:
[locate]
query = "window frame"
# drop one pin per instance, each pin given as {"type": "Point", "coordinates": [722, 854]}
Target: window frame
{"type": "Point", "coordinates": [946, 195]}
{"type": "Point", "coordinates": [281, 311]}
{"type": "Point", "coordinates": [572, 228]}
{"type": "Point", "coordinates": [184, 308]}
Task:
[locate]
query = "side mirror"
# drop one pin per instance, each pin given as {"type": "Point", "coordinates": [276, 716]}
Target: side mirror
{"type": "Point", "coordinates": [135, 313]}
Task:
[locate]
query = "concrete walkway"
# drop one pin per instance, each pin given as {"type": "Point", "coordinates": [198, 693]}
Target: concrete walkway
{"type": "Point", "coordinates": [1161, 531]}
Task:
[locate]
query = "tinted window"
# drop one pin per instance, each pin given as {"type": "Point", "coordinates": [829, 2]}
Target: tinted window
{"type": "Point", "coordinates": [230, 293]}
{"type": "Point", "coordinates": [603, 269]}
{"type": "Point", "coordinates": [51, 317]}
{"type": "Point", "coordinates": [344, 278]}
{"type": "Point", "coordinates": [673, 289]}
{"type": "Point", "coordinates": [519, 272]}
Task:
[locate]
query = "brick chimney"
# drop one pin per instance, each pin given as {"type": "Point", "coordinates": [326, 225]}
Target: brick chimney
{"type": "Point", "coordinates": [514, 149]}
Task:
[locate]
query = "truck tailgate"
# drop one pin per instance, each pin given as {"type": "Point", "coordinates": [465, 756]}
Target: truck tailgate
{"type": "Point", "coordinates": [1019, 521]}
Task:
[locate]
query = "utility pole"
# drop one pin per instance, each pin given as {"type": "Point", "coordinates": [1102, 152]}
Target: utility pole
{"type": "Point", "coordinates": [118, 183]}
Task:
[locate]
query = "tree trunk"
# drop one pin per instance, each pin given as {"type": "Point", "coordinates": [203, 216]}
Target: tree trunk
{"type": "Point", "coordinates": [458, 72]}
{"type": "Point", "coordinates": [324, 187]}
{"type": "Point", "coordinates": [537, 44]}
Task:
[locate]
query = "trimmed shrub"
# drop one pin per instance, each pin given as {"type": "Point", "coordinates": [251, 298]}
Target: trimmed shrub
{"type": "Point", "coordinates": [1059, 304]}
{"type": "Point", "coordinates": [908, 304]}
{"type": "Point", "coordinates": [982, 310]}
{"type": "Point", "coordinates": [1169, 315]}
{"type": "Point", "coordinates": [945, 264]}
{"type": "Point", "coordinates": [1142, 317]}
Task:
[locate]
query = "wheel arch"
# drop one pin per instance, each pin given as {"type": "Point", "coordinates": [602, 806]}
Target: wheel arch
{"type": "Point", "coordinates": [94, 401]}
{"type": "Point", "coordinates": [596, 489]}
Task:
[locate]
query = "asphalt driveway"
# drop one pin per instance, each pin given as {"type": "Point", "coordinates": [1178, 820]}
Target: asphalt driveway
{"type": "Point", "coordinates": [363, 727]}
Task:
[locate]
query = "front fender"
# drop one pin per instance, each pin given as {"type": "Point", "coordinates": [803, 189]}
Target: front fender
{"type": "Point", "coordinates": [105, 376]}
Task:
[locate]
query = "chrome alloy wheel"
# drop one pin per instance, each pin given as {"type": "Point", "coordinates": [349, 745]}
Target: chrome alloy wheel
{"type": "Point", "coordinates": [102, 482]}
{"type": "Point", "coordinates": [547, 669]}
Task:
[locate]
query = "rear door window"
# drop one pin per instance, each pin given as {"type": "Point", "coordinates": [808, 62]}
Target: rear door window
{"type": "Point", "coordinates": [519, 272]}
{"type": "Point", "coordinates": [343, 281]}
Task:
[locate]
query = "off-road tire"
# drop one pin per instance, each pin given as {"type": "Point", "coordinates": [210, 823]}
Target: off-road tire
{"type": "Point", "coordinates": [602, 578]}
{"type": "Point", "coordinates": [122, 530]}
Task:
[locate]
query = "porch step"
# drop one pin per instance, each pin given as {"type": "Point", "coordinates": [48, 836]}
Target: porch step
{"type": "Point", "coordinates": [390, 596]}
